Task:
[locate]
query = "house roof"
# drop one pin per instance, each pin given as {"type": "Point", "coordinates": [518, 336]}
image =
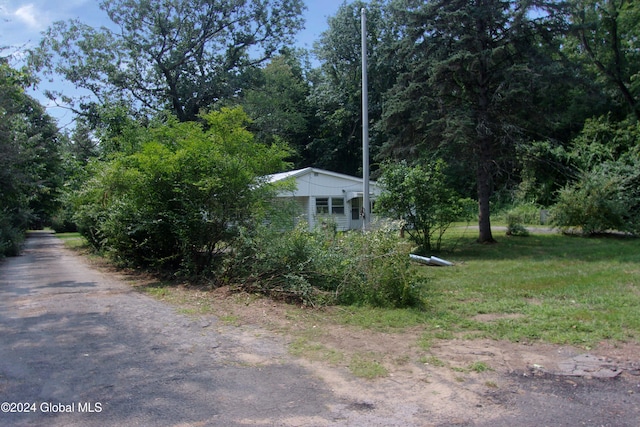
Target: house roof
{"type": "Point", "coordinates": [319, 182]}
{"type": "Point", "coordinates": [305, 171]}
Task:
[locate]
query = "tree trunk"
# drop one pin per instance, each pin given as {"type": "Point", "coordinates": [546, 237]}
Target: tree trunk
{"type": "Point", "coordinates": [484, 194]}
{"type": "Point", "coordinates": [483, 179]}
{"type": "Point", "coordinates": [484, 135]}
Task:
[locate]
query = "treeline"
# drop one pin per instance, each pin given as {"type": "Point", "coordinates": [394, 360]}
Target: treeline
{"type": "Point", "coordinates": [520, 102]}
{"type": "Point", "coordinates": [30, 166]}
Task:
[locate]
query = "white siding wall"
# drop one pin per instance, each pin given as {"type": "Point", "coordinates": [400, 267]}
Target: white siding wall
{"type": "Point", "coordinates": [314, 184]}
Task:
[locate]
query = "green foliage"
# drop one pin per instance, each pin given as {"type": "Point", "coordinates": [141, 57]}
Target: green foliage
{"type": "Point", "coordinates": [602, 199]}
{"type": "Point", "coordinates": [294, 265]}
{"type": "Point", "coordinates": [11, 233]}
{"type": "Point", "coordinates": [420, 197]}
{"type": "Point", "coordinates": [471, 77]}
{"type": "Point", "coordinates": [519, 216]}
{"type": "Point", "coordinates": [180, 200]}
{"type": "Point", "coordinates": [321, 267]}
{"type": "Point", "coordinates": [336, 93]}
{"type": "Point", "coordinates": [377, 271]}
{"type": "Point", "coordinates": [604, 140]}
{"type": "Point", "coordinates": [182, 55]}
{"type": "Point", "coordinates": [607, 32]}
{"type": "Point", "coordinates": [29, 160]}
{"type": "Point", "coordinates": [278, 105]}
{"type": "Point", "coordinates": [544, 171]}
{"type": "Point", "coordinates": [606, 193]}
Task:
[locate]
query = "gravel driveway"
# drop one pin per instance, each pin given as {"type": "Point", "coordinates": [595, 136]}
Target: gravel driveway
{"type": "Point", "coordinates": [78, 348]}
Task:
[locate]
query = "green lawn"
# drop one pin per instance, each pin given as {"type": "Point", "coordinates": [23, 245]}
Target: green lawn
{"type": "Point", "coordinates": [547, 287]}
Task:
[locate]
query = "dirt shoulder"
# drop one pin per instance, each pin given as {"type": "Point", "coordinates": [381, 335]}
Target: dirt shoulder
{"type": "Point", "coordinates": [452, 382]}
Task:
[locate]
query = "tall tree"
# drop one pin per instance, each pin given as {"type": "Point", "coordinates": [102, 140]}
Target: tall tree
{"type": "Point", "coordinates": [607, 32]}
{"type": "Point", "coordinates": [337, 91]}
{"type": "Point", "coordinates": [470, 83]}
{"type": "Point", "coordinates": [279, 105]}
{"type": "Point", "coordinates": [29, 161]}
{"type": "Point", "coordinates": [82, 145]}
{"type": "Point", "coordinates": [181, 55]}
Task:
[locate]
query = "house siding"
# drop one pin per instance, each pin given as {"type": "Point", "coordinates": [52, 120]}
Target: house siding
{"type": "Point", "coordinates": [313, 184]}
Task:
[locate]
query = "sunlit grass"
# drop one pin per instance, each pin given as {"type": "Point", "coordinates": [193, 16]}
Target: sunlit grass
{"type": "Point", "coordinates": [365, 366]}
{"type": "Point", "coordinates": [73, 240]}
{"type": "Point", "coordinates": [564, 289]}
{"type": "Point", "coordinates": [545, 287]}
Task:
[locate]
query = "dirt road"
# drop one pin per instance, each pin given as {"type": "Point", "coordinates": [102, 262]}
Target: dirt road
{"type": "Point", "coordinates": [78, 347]}
{"type": "Point", "coordinates": [73, 340]}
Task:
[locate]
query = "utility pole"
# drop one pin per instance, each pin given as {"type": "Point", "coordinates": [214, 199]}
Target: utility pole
{"type": "Point", "coordinates": [366, 205]}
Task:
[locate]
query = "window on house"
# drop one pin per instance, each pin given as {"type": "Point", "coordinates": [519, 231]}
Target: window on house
{"type": "Point", "coordinates": [337, 206]}
{"type": "Point", "coordinates": [322, 206]}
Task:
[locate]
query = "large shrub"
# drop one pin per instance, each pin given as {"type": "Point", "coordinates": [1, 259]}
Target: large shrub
{"type": "Point", "coordinates": [295, 265]}
{"type": "Point", "coordinates": [179, 201]}
{"type": "Point", "coordinates": [378, 271]}
{"type": "Point", "coordinates": [604, 198]}
{"type": "Point", "coordinates": [11, 233]}
{"type": "Point", "coordinates": [420, 197]}
{"type": "Point", "coordinates": [605, 195]}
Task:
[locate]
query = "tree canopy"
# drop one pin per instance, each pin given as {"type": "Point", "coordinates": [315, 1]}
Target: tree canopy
{"type": "Point", "coordinates": [180, 55]}
{"type": "Point", "coordinates": [29, 160]}
{"type": "Point", "coordinates": [469, 84]}
{"type": "Point", "coordinates": [607, 32]}
{"type": "Point", "coordinates": [337, 89]}
{"type": "Point", "coordinates": [521, 99]}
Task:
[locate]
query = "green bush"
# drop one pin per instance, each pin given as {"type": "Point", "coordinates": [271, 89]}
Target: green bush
{"type": "Point", "coordinates": [294, 265]}
{"type": "Point", "coordinates": [180, 199]}
{"type": "Point", "coordinates": [420, 197]}
{"type": "Point", "coordinates": [602, 199]}
{"type": "Point", "coordinates": [605, 194]}
{"type": "Point", "coordinates": [378, 271]}
{"type": "Point", "coordinates": [11, 235]}
{"type": "Point", "coordinates": [61, 223]}
{"type": "Point", "coordinates": [323, 267]}
{"type": "Point", "coordinates": [518, 216]}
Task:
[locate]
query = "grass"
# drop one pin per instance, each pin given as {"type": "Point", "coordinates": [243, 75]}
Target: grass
{"type": "Point", "coordinates": [478, 367]}
{"type": "Point", "coordinates": [544, 287]}
{"type": "Point", "coordinates": [72, 240]}
{"type": "Point", "coordinates": [365, 366]}
{"type": "Point", "coordinates": [303, 347]}
{"type": "Point", "coordinates": [548, 287]}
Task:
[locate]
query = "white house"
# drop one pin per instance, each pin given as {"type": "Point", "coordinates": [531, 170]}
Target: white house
{"type": "Point", "coordinates": [322, 195]}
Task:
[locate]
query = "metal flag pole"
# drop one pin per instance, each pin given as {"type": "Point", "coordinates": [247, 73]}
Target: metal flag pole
{"type": "Point", "coordinates": [366, 205]}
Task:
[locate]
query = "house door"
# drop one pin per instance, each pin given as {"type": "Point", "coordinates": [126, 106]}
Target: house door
{"type": "Point", "coordinates": [356, 218]}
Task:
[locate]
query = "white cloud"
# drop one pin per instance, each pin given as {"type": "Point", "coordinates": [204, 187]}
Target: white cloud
{"type": "Point", "coordinates": [30, 16]}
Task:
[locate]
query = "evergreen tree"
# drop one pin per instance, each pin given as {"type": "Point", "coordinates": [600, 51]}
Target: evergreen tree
{"type": "Point", "coordinates": [471, 83]}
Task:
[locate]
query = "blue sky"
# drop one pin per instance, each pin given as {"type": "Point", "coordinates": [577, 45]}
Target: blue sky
{"type": "Point", "coordinates": [22, 22]}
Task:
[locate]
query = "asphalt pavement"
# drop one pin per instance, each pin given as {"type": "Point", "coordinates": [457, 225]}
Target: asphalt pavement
{"type": "Point", "coordinates": [78, 348]}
